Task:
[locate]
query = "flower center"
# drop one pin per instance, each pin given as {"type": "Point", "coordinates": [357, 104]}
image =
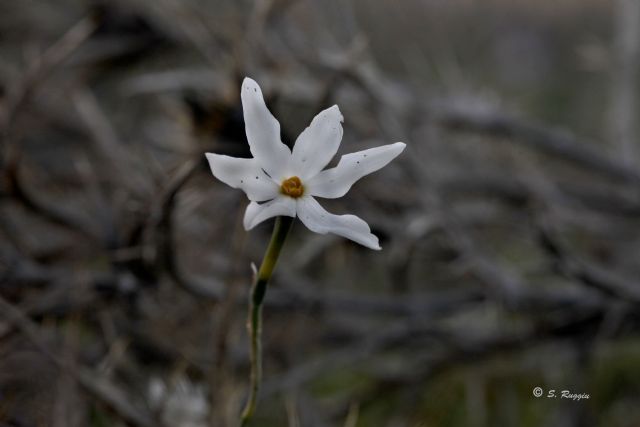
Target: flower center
{"type": "Point", "coordinates": [292, 187]}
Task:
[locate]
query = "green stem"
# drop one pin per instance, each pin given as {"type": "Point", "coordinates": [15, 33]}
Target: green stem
{"type": "Point", "coordinates": [254, 322]}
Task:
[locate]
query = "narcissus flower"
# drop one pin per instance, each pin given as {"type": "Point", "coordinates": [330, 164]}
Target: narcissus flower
{"type": "Point", "coordinates": [280, 181]}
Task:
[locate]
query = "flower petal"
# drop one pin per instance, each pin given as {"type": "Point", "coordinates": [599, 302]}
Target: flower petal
{"type": "Point", "coordinates": [317, 144]}
{"type": "Point", "coordinates": [317, 219]}
{"type": "Point", "coordinates": [335, 182]}
{"type": "Point", "coordinates": [245, 174]}
{"type": "Point", "coordinates": [263, 131]}
{"type": "Point", "coordinates": [258, 212]}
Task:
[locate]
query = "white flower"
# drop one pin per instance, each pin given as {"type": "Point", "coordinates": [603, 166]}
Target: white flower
{"type": "Point", "coordinates": [279, 181]}
{"type": "Point", "coordinates": [183, 404]}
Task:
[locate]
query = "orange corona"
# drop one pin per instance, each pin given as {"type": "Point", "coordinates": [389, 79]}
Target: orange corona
{"type": "Point", "coordinates": [292, 187]}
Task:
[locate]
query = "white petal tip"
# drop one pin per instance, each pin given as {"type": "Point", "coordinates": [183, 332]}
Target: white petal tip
{"type": "Point", "coordinates": [246, 221]}
{"type": "Point", "coordinates": [248, 81]}
{"type": "Point", "coordinates": [370, 242]}
{"type": "Point", "coordinates": [396, 149]}
{"type": "Point", "coordinates": [211, 158]}
{"type": "Point", "coordinates": [376, 246]}
{"type": "Point", "coordinates": [335, 110]}
{"type": "Point", "coordinates": [250, 84]}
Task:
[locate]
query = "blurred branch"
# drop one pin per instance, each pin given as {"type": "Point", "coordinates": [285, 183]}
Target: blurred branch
{"type": "Point", "coordinates": [624, 75]}
{"type": "Point", "coordinates": [109, 145]}
{"type": "Point", "coordinates": [550, 141]}
{"type": "Point", "coordinates": [99, 387]}
{"type": "Point", "coordinates": [36, 74]}
{"type": "Point", "coordinates": [389, 97]}
{"type": "Point", "coordinates": [300, 294]}
{"type": "Point", "coordinates": [159, 249]}
{"type": "Point", "coordinates": [24, 90]}
{"type": "Point", "coordinates": [455, 346]}
{"type": "Point", "coordinates": [388, 336]}
{"type": "Point", "coordinates": [16, 188]}
{"type": "Point", "coordinates": [518, 193]}
{"type": "Point", "coordinates": [607, 282]}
